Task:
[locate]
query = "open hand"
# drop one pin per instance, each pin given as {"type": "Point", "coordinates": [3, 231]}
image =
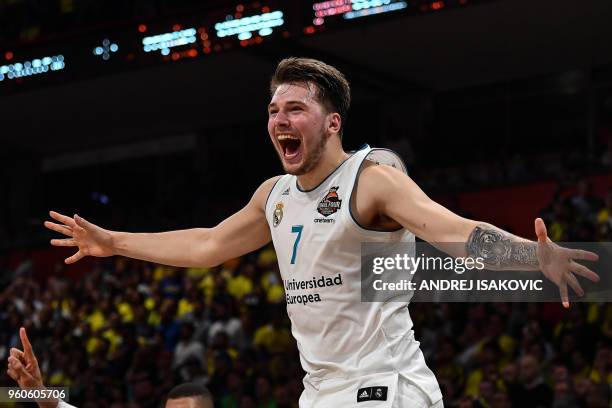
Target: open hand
{"type": "Point", "coordinates": [559, 264]}
{"type": "Point", "coordinates": [89, 238]}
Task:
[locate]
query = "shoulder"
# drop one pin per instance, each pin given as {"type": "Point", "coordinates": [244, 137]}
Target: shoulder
{"type": "Point", "coordinates": [269, 184]}
{"type": "Point", "coordinates": [379, 178]}
{"type": "Point", "coordinates": [375, 185]}
{"type": "Point", "coordinates": [378, 184]}
{"type": "Point", "coordinates": [263, 191]}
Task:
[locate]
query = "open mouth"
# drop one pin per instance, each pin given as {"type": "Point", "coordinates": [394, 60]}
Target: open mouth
{"type": "Point", "coordinates": [290, 146]}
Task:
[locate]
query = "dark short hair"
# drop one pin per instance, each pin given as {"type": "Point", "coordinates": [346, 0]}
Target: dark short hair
{"type": "Point", "coordinates": [190, 390]}
{"type": "Point", "coordinates": [333, 90]}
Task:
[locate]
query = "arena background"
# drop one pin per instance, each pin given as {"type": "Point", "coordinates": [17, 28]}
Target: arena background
{"type": "Point", "coordinates": [501, 109]}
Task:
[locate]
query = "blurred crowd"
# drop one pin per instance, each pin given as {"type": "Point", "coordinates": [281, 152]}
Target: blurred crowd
{"type": "Point", "coordinates": [514, 169]}
{"type": "Point", "coordinates": [579, 217]}
{"type": "Point", "coordinates": [128, 331]}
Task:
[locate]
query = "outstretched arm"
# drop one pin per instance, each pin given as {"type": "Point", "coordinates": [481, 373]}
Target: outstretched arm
{"type": "Point", "coordinates": [241, 233]}
{"type": "Point", "coordinates": [396, 196]}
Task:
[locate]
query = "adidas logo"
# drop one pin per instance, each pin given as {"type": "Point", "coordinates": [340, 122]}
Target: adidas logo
{"type": "Point", "coordinates": [372, 394]}
{"type": "Point", "coordinates": [286, 192]}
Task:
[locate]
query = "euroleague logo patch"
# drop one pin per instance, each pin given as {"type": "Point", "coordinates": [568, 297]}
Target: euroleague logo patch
{"type": "Point", "coordinates": [330, 203]}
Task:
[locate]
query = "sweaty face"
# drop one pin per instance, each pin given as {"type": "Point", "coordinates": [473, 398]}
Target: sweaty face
{"type": "Point", "coordinates": [296, 124]}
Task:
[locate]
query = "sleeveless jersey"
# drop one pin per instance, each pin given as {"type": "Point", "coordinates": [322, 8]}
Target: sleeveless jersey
{"type": "Point", "coordinates": [318, 245]}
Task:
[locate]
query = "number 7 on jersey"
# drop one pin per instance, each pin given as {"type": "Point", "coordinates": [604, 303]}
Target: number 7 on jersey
{"type": "Point", "coordinates": [294, 229]}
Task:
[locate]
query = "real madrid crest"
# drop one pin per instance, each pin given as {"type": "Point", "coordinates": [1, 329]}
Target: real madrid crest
{"type": "Point", "coordinates": [277, 215]}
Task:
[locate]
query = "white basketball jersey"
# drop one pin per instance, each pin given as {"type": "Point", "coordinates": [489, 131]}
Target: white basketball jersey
{"type": "Point", "coordinates": [340, 338]}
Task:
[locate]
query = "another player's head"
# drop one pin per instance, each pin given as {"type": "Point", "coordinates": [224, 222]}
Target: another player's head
{"type": "Point", "coordinates": [307, 113]}
{"type": "Point", "coordinates": [189, 395]}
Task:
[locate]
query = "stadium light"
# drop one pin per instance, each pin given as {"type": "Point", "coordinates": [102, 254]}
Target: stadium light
{"type": "Point", "coordinates": [163, 42]}
{"type": "Point", "coordinates": [244, 27]}
{"type": "Point", "coordinates": [34, 67]}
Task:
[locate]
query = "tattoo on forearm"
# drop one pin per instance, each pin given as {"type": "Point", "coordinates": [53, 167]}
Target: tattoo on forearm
{"type": "Point", "coordinates": [499, 248]}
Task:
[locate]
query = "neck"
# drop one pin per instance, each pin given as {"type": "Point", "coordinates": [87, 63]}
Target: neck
{"type": "Point", "coordinates": [327, 164]}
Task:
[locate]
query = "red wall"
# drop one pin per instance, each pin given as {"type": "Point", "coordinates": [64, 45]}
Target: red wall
{"type": "Point", "coordinates": [517, 207]}
{"type": "Point", "coordinates": [45, 260]}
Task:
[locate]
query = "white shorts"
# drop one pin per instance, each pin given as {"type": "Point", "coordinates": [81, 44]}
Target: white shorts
{"type": "Point", "coordinates": [343, 393]}
{"type": "Point", "coordinates": [409, 395]}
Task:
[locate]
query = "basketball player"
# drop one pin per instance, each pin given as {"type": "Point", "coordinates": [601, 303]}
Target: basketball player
{"type": "Point", "coordinates": [317, 215]}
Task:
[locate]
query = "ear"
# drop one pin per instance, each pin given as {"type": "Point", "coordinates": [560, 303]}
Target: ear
{"type": "Point", "coordinates": [335, 122]}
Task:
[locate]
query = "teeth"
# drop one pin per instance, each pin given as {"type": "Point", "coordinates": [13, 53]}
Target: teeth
{"type": "Point", "coordinates": [287, 137]}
